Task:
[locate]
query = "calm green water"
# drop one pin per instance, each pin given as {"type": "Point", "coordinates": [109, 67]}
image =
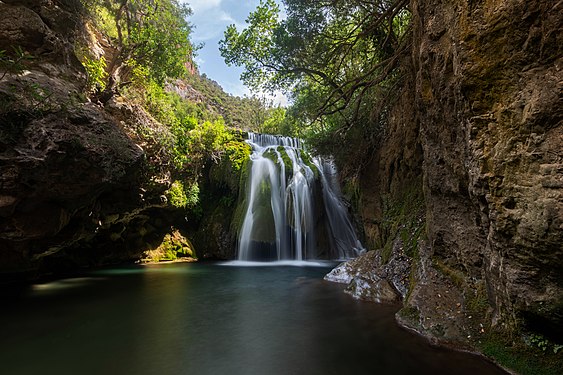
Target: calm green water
{"type": "Point", "coordinates": [211, 319]}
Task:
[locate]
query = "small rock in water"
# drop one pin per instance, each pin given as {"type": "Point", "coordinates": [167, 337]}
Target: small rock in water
{"type": "Point", "coordinates": [341, 274]}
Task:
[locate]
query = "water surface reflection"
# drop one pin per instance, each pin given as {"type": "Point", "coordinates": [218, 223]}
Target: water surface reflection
{"type": "Point", "coordinates": [211, 319]}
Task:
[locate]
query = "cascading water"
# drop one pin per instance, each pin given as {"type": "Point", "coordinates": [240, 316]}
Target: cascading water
{"type": "Point", "coordinates": [293, 206]}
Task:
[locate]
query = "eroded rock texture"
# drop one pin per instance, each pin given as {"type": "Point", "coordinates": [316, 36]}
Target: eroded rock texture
{"type": "Point", "coordinates": [481, 120]}
{"type": "Point", "coordinates": [489, 79]}
{"type": "Point", "coordinates": [83, 183]}
{"type": "Point", "coordinates": [75, 189]}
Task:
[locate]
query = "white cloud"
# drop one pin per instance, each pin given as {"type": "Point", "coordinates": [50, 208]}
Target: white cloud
{"type": "Point", "coordinates": [236, 88]}
{"type": "Point", "coordinates": [199, 61]}
{"type": "Point", "coordinates": [203, 5]}
{"type": "Point", "coordinates": [278, 98]}
{"type": "Point", "coordinates": [216, 22]}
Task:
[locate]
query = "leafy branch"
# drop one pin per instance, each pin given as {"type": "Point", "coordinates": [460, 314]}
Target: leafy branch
{"type": "Point", "coordinates": [13, 64]}
{"type": "Point", "coordinates": [343, 48]}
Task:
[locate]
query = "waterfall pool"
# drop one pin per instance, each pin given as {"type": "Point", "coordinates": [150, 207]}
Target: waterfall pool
{"type": "Point", "coordinates": [214, 319]}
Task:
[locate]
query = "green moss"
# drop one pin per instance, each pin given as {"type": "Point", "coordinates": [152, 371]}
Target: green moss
{"type": "Point", "coordinates": [525, 353]}
{"type": "Point", "coordinates": [271, 154]}
{"type": "Point", "coordinates": [352, 192]}
{"type": "Point", "coordinates": [476, 300]}
{"type": "Point", "coordinates": [308, 162]}
{"type": "Point", "coordinates": [456, 277]}
{"type": "Point", "coordinates": [286, 160]}
{"type": "Point", "coordinates": [173, 246]}
{"type": "Point", "coordinates": [513, 353]}
{"type": "Point", "coordinates": [403, 218]}
{"type": "Point", "coordinates": [242, 204]}
{"type": "Point", "coordinates": [386, 252]}
{"type": "Point", "coordinates": [244, 175]}
{"type": "Point", "coordinates": [410, 314]}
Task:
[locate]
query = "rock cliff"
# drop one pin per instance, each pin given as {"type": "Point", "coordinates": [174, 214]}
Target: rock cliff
{"type": "Point", "coordinates": [81, 183]}
{"type": "Point", "coordinates": [59, 155]}
{"type": "Point", "coordinates": [480, 120]}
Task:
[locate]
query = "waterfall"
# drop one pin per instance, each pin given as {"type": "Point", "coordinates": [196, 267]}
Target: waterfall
{"type": "Point", "coordinates": [293, 206]}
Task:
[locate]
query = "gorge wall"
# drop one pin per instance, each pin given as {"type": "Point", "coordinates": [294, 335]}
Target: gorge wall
{"type": "Point", "coordinates": [489, 82]}
{"type": "Point", "coordinates": [81, 184]}
{"type": "Point", "coordinates": [474, 150]}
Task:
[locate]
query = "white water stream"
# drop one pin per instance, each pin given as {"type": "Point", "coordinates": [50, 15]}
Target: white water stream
{"type": "Point", "coordinates": [294, 209]}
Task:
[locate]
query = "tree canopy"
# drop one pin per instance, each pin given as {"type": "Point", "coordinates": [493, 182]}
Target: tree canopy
{"type": "Point", "coordinates": [333, 56]}
{"type": "Point", "coordinates": [149, 38]}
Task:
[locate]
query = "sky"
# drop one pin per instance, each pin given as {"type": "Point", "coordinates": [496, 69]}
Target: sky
{"type": "Point", "coordinates": [210, 19]}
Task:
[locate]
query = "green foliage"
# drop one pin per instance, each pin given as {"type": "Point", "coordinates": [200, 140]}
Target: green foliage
{"type": "Point", "coordinates": [338, 59]}
{"type": "Point", "coordinates": [521, 357]}
{"type": "Point", "coordinates": [244, 113]}
{"type": "Point", "coordinates": [181, 196]}
{"type": "Point", "coordinates": [197, 135]}
{"type": "Point", "coordinates": [238, 153]}
{"type": "Point", "coordinates": [255, 47]}
{"type": "Point", "coordinates": [192, 195]}
{"type": "Point", "coordinates": [542, 343]}
{"type": "Point", "coordinates": [96, 70]}
{"type": "Point", "coordinates": [209, 137]}
{"type": "Point", "coordinates": [173, 246]}
{"type": "Point", "coordinates": [14, 62]}
{"type": "Point", "coordinates": [154, 34]}
{"type": "Point", "coordinates": [176, 195]}
{"type": "Point", "coordinates": [277, 122]}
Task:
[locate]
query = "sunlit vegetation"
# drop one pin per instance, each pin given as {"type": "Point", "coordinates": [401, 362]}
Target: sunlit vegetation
{"type": "Point", "coordinates": [13, 62]}
{"type": "Point", "coordinates": [337, 59]}
{"type": "Point", "coordinates": [149, 62]}
{"type": "Point", "coordinates": [174, 246]}
{"type": "Point", "coordinates": [245, 113]}
{"type": "Point", "coordinates": [150, 35]}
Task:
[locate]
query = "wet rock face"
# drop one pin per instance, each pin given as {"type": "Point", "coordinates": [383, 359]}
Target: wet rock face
{"type": "Point", "coordinates": [489, 94]}
{"type": "Point", "coordinates": [68, 170]}
{"type": "Point", "coordinates": [216, 237]}
{"type": "Point", "coordinates": [366, 279]}
{"type": "Point", "coordinates": [481, 119]}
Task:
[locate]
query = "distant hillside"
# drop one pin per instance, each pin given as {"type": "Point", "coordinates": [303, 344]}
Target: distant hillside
{"type": "Point", "coordinates": [244, 113]}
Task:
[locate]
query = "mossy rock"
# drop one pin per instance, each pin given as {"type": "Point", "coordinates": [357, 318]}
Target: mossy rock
{"type": "Point", "coordinates": [286, 160]}
{"type": "Point", "coordinates": [173, 246]}
{"type": "Point", "coordinates": [403, 218]}
{"type": "Point", "coordinates": [309, 162]}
